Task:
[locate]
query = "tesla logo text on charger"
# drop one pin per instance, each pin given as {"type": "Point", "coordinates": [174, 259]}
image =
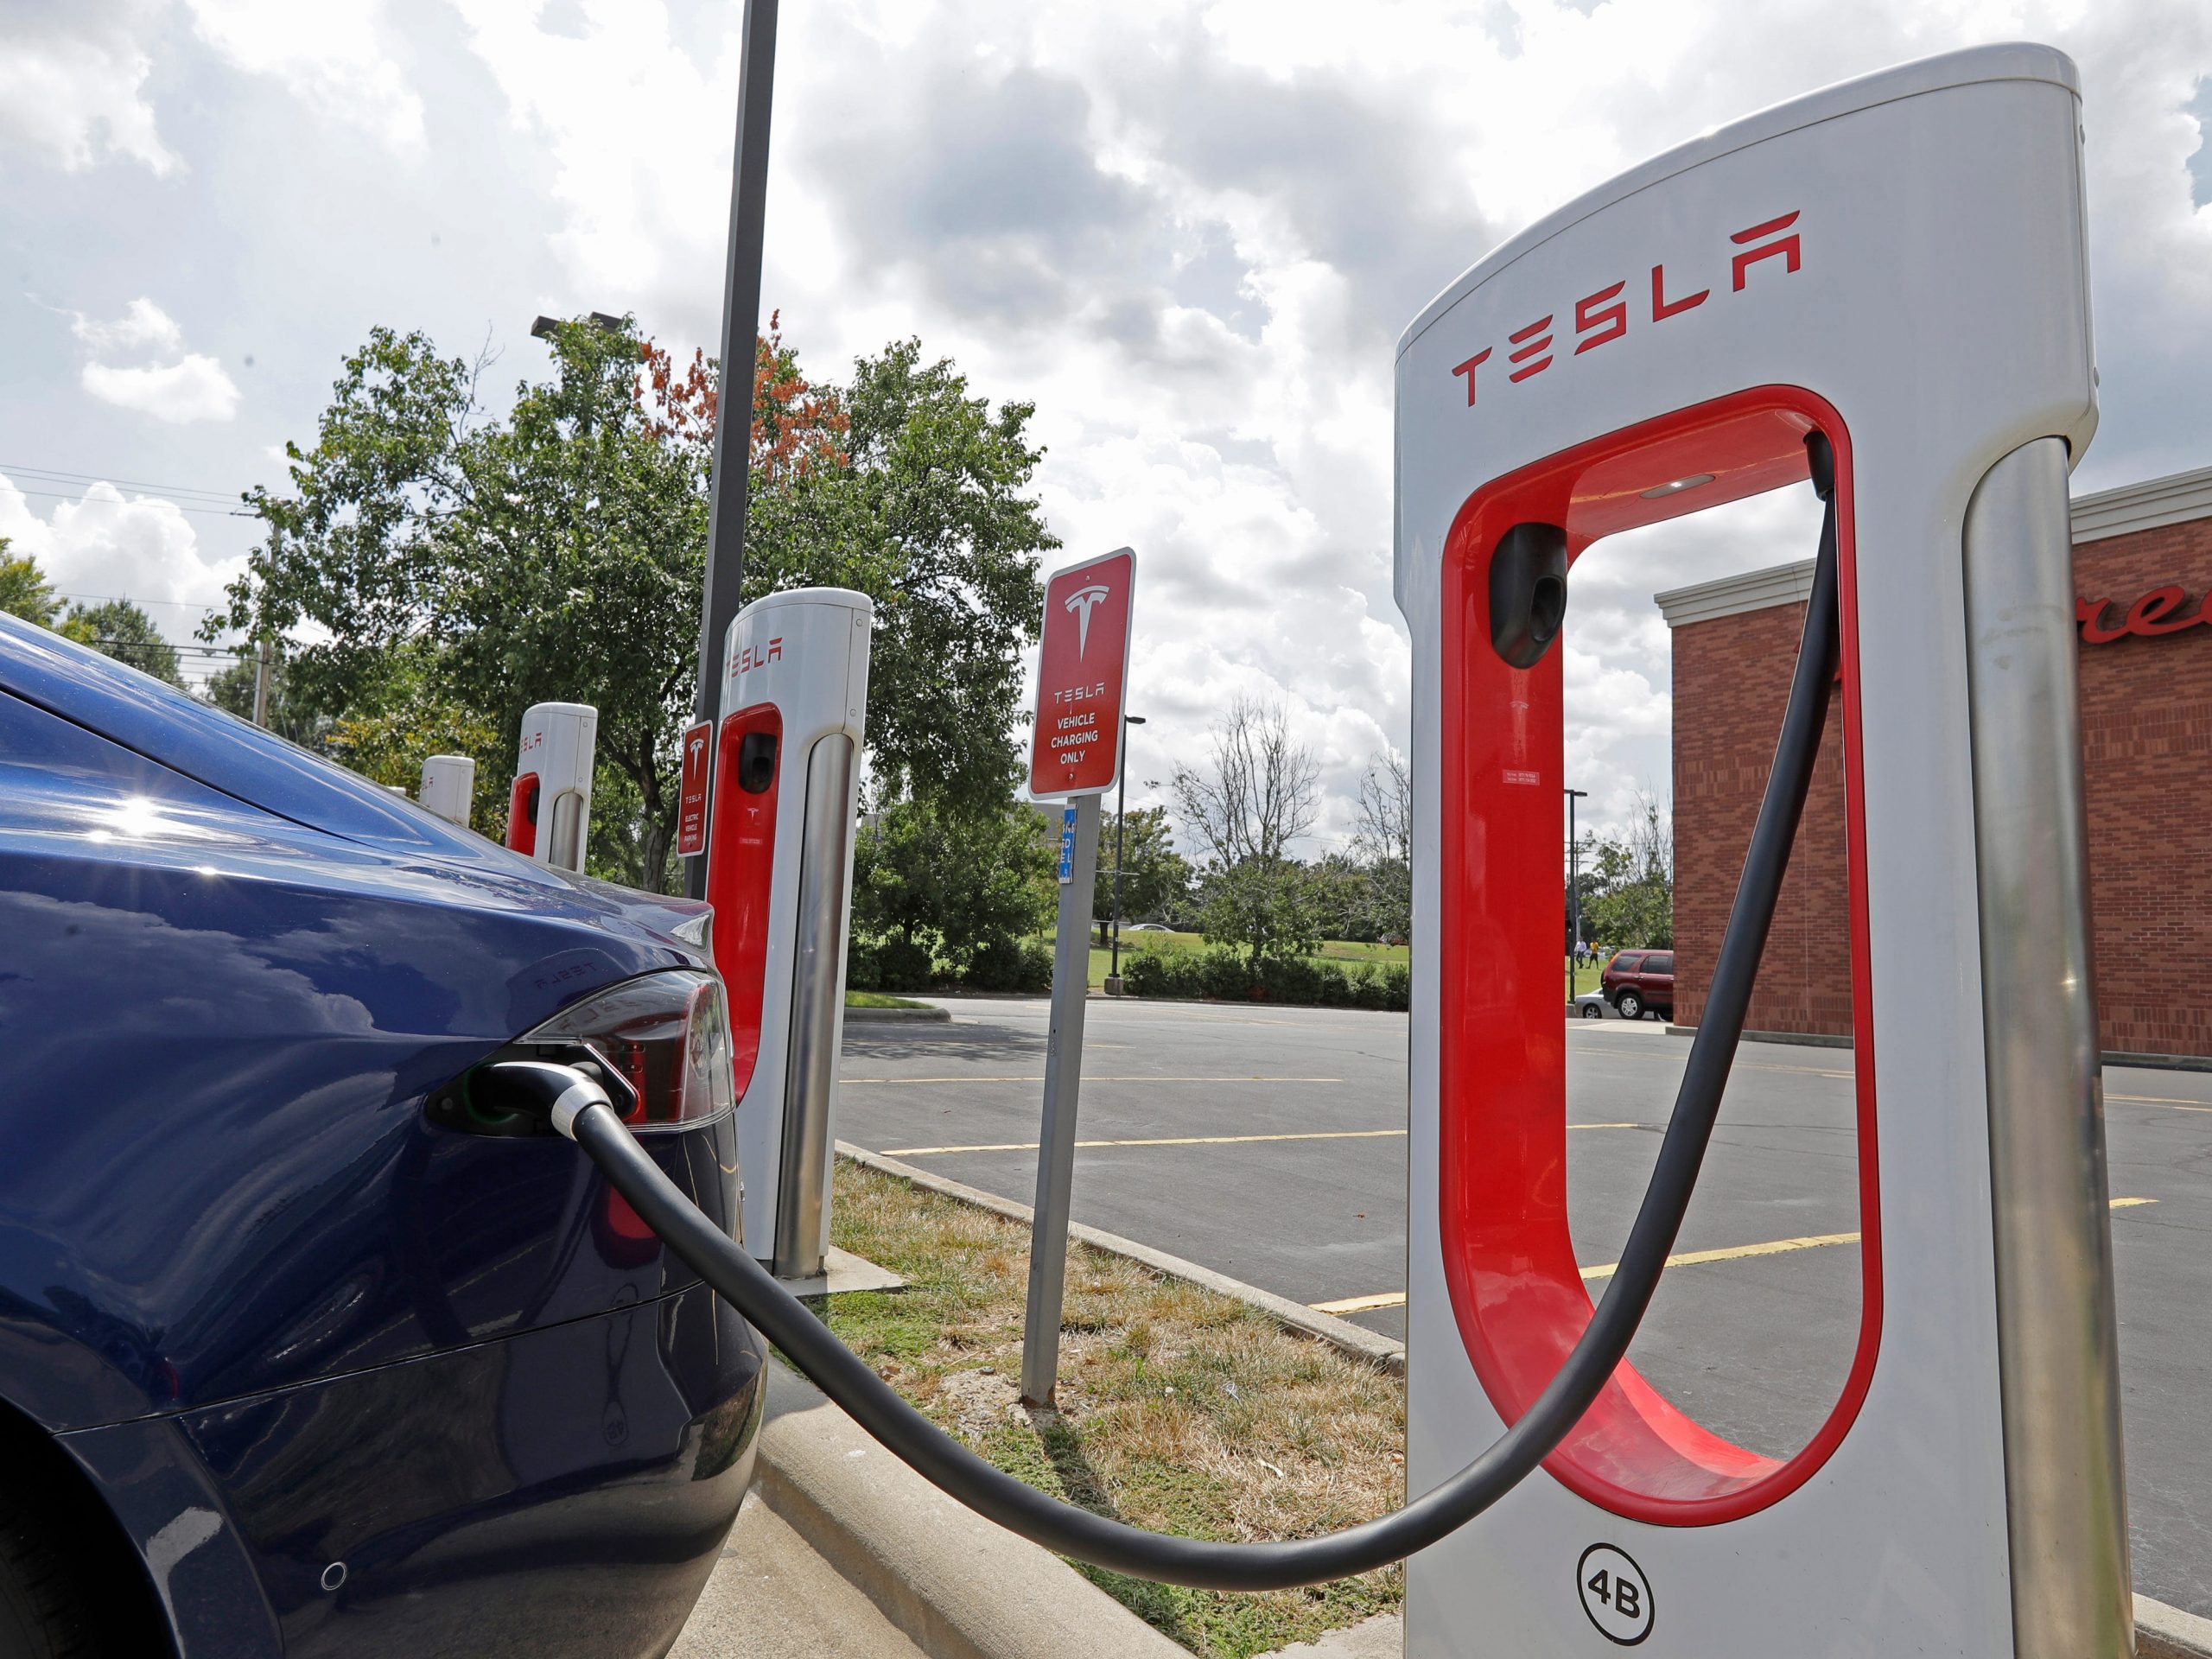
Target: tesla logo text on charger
{"type": "Point", "coordinates": [748, 658]}
{"type": "Point", "coordinates": [1603, 317]}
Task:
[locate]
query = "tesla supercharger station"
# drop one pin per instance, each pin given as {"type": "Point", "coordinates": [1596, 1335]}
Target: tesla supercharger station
{"type": "Point", "coordinates": [548, 811]}
{"type": "Point", "coordinates": [448, 784]}
{"type": "Point", "coordinates": [1898, 262]}
{"type": "Point", "coordinates": [779, 871]}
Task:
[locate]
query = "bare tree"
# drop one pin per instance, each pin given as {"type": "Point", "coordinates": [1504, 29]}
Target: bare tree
{"type": "Point", "coordinates": [1260, 795]}
{"type": "Point", "coordinates": [1384, 843]}
{"type": "Point", "coordinates": [1650, 836]}
{"type": "Point", "coordinates": [1263, 789]}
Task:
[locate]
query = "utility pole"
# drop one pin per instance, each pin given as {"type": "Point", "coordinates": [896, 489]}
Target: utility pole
{"type": "Point", "coordinates": [1574, 892]}
{"type": "Point", "coordinates": [261, 667]}
{"type": "Point", "coordinates": [748, 206]}
{"type": "Point", "coordinates": [1120, 804]}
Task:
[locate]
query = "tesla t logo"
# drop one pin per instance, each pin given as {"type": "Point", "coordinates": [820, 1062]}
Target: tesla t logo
{"type": "Point", "coordinates": [748, 658]}
{"type": "Point", "coordinates": [698, 747]}
{"type": "Point", "coordinates": [1602, 317]}
{"type": "Point", "coordinates": [2158, 611]}
{"type": "Point", "coordinates": [1080, 604]}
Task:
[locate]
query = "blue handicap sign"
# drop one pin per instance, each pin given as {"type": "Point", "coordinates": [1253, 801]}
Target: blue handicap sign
{"type": "Point", "coordinates": [1067, 845]}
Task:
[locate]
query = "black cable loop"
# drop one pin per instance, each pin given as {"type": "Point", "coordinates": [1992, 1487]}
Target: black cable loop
{"type": "Point", "coordinates": [1203, 1563]}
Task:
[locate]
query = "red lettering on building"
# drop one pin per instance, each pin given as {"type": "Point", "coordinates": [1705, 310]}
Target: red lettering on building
{"type": "Point", "coordinates": [2153, 614]}
{"type": "Point", "coordinates": [1538, 338]}
{"type": "Point", "coordinates": [1610, 320]}
{"type": "Point", "coordinates": [1468, 369]}
{"type": "Point", "coordinates": [1786, 248]}
{"type": "Point", "coordinates": [1661, 307]}
{"type": "Point", "coordinates": [748, 658]}
{"type": "Point", "coordinates": [1602, 317]}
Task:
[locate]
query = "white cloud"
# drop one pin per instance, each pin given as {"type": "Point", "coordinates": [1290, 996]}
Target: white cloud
{"type": "Point", "coordinates": [1191, 237]}
{"type": "Point", "coordinates": [1189, 234]}
{"type": "Point", "coordinates": [332, 54]}
{"type": "Point", "coordinates": [103, 546]}
{"type": "Point", "coordinates": [73, 86]}
{"type": "Point", "coordinates": [142, 324]}
{"type": "Point", "coordinates": [193, 388]}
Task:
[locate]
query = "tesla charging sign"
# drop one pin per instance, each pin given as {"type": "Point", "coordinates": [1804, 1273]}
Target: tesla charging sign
{"type": "Point", "coordinates": [1083, 664]}
{"type": "Point", "coordinates": [691, 793]}
{"type": "Point", "coordinates": [1898, 263]}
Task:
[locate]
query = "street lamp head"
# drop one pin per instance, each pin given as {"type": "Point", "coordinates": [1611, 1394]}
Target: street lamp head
{"type": "Point", "coordinates": [1132, 720]}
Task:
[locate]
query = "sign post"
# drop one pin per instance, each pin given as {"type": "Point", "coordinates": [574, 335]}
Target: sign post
{"type": "Point", "coordinates": [1075, 755]}
{"type": "Point", "coordinates": [691, 793]}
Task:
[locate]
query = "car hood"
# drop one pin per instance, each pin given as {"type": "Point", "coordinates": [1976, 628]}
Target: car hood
{"type": "Point", "coordinates": [156, 720]}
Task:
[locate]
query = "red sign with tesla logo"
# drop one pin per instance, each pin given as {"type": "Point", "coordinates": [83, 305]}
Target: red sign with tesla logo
{"type": "Point", "coordinates": [691, 796]}
{"type": "Point", "coordinates": [1082, 664]}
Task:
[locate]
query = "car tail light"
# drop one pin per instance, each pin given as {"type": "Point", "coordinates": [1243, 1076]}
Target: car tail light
{"type": "Point", "coordinates": [658, 1044]}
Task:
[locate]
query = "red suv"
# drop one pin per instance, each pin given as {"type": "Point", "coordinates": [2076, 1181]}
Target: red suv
{"type": "Point", "coordinates": [1641, 982]}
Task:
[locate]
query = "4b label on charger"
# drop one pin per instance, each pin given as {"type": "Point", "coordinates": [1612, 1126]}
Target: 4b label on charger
{"type": "Point", "coordinates": [1615, 1594]}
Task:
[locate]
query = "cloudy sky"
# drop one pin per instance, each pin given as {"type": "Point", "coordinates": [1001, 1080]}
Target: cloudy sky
{"type": "Point", "coordinates": [1190, 232]}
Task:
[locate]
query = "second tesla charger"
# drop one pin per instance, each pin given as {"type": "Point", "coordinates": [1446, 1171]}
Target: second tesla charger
{"type": "Point", "coordinates": [548, 811]}
{"type": "Point", "coordinates": [780, 869]}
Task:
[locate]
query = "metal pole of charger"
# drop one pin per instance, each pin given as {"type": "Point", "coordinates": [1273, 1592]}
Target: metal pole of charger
{"type": "Point", "coordinates": [1048, 1227]}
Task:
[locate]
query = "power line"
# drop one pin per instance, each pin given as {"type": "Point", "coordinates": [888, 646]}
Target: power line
{"type": "Point", "coordinates": [125, 599]}
{"type": "Point", "coordinates": [60, 477]}
{"type": "Point", "coordinates": [94, 501]}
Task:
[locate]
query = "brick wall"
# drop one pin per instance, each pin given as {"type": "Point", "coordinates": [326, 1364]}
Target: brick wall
{"type": "Point", "coordinates": [2146, 728]}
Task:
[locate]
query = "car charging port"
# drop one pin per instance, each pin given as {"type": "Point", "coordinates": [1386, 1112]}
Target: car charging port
{"type": "Point", "coordinates": [658, 1044]}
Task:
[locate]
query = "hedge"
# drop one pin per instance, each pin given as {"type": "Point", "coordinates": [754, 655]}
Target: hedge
{"type": "Point", "coordinates": [891, 964]}
{"type": "Point", "coordinates": [1225, 976]}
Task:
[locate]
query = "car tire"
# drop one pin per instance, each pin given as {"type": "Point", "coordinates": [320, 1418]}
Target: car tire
{"type": "Point", "coordinates": [1630, 1004]}
{"type": "Point", "coordinates": [1593, 1011]}
{"type": "Point", "coordinates": [48, 1609]}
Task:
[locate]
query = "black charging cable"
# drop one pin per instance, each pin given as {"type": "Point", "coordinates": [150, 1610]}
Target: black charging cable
{"type": "Point", "coordinates": [1202, 1563]}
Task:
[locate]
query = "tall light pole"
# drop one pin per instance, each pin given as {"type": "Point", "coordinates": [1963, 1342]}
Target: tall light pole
{"type": "Point", "coordinates": [1121, 802]}
{"type": "Point", "coordinates": [748, 208]}
{"type": "Point", "coordinates": [1573, 892]}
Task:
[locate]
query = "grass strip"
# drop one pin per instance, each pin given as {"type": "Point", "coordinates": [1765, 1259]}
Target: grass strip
{"type": "Point", "coordinates": [880, 1000]}
{"type": "Point", "coordinates": [1180, 1409]}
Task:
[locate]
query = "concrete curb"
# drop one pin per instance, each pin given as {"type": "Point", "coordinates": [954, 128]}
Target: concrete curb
{"type": "Point", "coordinates": [959, 1586]}
{"type": "Point", "coordinates": [2163, 1632]}
{"type": "Point", "coordinates": [1354, 1341]}
{"type": "Point", "coordinates": [867, 1016]}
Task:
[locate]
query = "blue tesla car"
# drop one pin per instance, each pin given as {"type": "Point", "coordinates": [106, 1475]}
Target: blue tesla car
{"type": "Point", "coordinates": [306, 1346]}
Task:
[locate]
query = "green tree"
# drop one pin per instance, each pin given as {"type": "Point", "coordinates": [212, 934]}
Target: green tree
{"type": "Point", "coordinates": [1628, 889]}
{"type": "Point", "coordinates": [1155, 878]}
{"type": "Point", "coordinates": [951, 884]}
{"type": "Point", "coordinates": [1341, 891]}
{"type": "Point", "coordinates": [558, 554]}
{"type": "Point", "coordinates": [24, 590]}
{"type": "Point", "coordinates": [116, 628]}
{"type": "Point", "coordinates": [927, 513]}
{"type": "Point", "coordinates": [292, 713]}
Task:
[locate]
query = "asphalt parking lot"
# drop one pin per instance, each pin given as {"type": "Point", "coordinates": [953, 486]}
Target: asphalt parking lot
{"type": "Point", "coordinates": [1269, 1144]}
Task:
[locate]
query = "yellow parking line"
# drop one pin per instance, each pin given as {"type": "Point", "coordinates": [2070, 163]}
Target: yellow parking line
{"type": "Point", "coordinates": [1040, 1077]}
{"type": "Point", "coordinates": [1360, 1304]}
{"type": "Point", "coordinates": [1168, 1140]}
{"type": "Point", "coordinates": [1199, 1140]}
{"type": "Point", "coordinates": [1687, 1259]}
